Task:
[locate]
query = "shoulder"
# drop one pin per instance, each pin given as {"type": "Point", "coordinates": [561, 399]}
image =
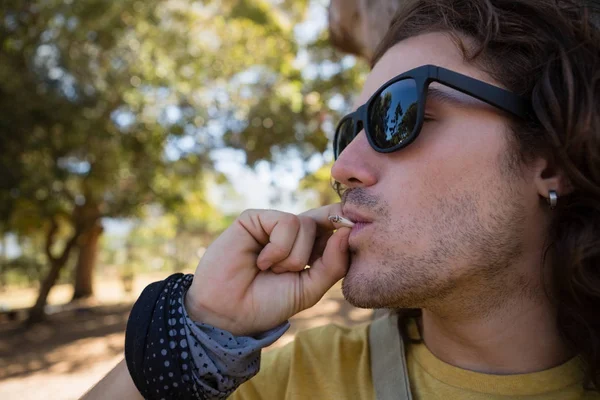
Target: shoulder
{"type": "Point", "coordinates": [323, 345]}
{"type": "Point", "coordinates": [331, 336]}
{"type": "Point", "coordinates": [306, 366]}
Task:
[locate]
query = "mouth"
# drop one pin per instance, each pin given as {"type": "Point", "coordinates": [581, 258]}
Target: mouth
{"type": "Point", "coordinates": [360, 221]}
{"type": "Point", "coordinates": [359, 226]}
{"type": "Point", "coordinates": [356, 217]}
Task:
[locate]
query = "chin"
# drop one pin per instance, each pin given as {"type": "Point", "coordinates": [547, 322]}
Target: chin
{"type": "Point", "coordinates": [364, 286]}
{"type": "Point", "coordinates": [379, 284]}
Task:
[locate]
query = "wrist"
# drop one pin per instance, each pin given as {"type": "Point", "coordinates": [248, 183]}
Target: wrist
{"type": "Point", "coordinates": [200, 313]}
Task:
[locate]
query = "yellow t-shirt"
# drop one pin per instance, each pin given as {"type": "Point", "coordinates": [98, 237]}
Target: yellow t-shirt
{"type": "Point", "coordinates": [332, 362]}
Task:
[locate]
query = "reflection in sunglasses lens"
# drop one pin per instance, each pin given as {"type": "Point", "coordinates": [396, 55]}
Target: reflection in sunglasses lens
{"type": "Point", "coordinates": [393, 114]}
{"type": "Point", "coordinates": [346, 133]}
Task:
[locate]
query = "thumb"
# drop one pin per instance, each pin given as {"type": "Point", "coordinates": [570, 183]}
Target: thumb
{"type": "Point", "coordinates": [326, 270]}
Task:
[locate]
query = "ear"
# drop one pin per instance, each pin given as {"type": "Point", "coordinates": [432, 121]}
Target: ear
{"type": "Point", "coordinates": [548, 176]}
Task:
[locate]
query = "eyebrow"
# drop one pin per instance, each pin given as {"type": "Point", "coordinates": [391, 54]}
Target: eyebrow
{"type": "Point", "coordinates": [444, 97]}
{"type": "Point", "coordinates": [453, 98]}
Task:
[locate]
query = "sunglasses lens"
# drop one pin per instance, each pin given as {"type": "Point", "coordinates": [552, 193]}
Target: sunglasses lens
{"type": "Point", "coordinates": [393, 114]}
{"type": "Point", "coordinates": [345, 133]}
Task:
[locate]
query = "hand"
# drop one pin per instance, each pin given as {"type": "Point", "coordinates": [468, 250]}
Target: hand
{"type": "Point", "coordinates": [254, 277]}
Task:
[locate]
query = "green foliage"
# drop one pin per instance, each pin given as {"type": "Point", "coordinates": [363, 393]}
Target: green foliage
{"type": "Point", "coordinates": [170, 240]}
{"type": "Point", "coordinates": [117, 105]}
{"type": "Point", "coordinates": [320, 184]}
{"type": "Point", "coordinates": [69, 72]}
{"type": "Point", "coordinates": [23, 271]}
{"type": "Point", "coordinates": [290, 108]}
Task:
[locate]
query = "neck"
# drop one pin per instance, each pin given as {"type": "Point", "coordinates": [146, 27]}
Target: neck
{"type": "Point", "coordinates": [514, 339]}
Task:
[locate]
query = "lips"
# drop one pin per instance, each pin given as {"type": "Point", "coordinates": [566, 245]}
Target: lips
{"type": "Point", "coordinates": [356, 216]}
{"type": "Point", "coordinates": [360, 220]}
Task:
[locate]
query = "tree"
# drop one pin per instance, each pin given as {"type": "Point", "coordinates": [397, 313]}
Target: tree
{"type": "Point", "coordinates": [63, 96]}
{"type": "Point", "coordinates": [104, 103]}
{"type": "Point", "coordinates": [357, 26]}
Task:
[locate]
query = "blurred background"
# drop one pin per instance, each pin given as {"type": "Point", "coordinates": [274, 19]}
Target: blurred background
{"type": "Point", "coordinates": [132, 133]}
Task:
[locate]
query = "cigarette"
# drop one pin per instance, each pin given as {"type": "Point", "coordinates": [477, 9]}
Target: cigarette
{"type": "Point", "coordinates": [341, 220]}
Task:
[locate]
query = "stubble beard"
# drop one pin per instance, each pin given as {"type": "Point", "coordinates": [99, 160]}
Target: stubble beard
{"type": "Point", "coordinates": [471, 247]}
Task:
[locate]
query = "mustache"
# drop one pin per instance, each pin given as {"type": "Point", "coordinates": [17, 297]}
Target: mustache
{"type": "Point", "coordinates": [362, 199]}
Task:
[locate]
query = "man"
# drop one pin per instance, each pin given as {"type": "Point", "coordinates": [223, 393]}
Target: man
{"type": "Point", "coordinates": [471, 171]}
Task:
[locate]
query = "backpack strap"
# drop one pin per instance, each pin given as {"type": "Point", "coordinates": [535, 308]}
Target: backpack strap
{"type": "Point", "coordinates": [388, 360]}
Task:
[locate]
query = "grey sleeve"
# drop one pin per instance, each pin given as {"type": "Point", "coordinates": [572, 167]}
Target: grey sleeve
{"type": "Point", "coordinates": [219, 361]}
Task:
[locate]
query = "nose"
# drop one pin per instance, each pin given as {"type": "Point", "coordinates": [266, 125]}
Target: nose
{"type": "Point", "coordinates": [355, 166]}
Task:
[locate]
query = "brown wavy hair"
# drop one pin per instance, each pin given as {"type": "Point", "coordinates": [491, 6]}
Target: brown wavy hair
{"type": "Point", "coordinates": [549, 52]}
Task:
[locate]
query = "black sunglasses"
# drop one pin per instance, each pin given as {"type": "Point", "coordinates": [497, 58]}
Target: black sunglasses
{"type": "Point", "coordinates": [392, 118]}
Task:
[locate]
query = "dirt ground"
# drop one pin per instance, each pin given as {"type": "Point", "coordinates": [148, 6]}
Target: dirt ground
{"type": "Point", "coordinates": [63, 357]}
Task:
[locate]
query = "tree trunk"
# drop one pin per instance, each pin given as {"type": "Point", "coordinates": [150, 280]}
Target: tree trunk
{"type": "Point", "coordinates": [86, 262]}
{"type": "Point", "coordinates": [357, 26]}
{"type": "Point", "coordinates": [3, 261]}
{"type": "Point", "coordinates": [36, 313]}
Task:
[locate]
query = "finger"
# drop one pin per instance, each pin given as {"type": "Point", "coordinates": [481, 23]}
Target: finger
{"type": "Point", "coordinates": [302, 248]}
{"type": "Point", "coordinates": [327, 270]}
{"type": "Point", "coordinates": [279, 270]}
{"type": "Point", "coordinates": [319, 247]}
{"type": "Point", "coordinates": [283, 229]}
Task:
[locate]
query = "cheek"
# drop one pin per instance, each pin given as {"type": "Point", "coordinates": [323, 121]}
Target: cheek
{"type": "Point", "coordinates": [463, 154]}
{"type": "Point", "coordinates": [459, 159]}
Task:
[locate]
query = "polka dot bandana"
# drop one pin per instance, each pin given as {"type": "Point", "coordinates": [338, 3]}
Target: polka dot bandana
{"type": "Point", "coordinates": [170, 356]}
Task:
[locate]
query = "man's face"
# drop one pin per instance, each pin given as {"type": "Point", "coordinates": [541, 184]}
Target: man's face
{"type": "Point", "coordinates": [449, 212]}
